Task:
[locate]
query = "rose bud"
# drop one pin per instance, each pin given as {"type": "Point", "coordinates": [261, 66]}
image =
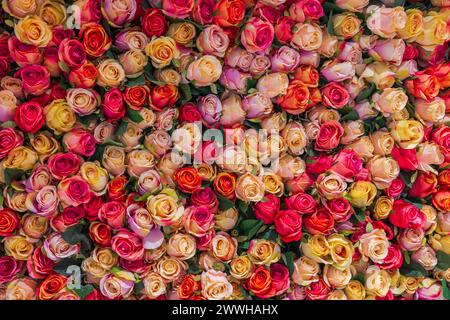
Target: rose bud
{"type": "Point", "coordinates": [337, 71]}
{"type": "Point", "coordinates": [406, 215]}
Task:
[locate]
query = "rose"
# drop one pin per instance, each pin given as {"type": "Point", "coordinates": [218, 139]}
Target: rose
{"type": "Point", "coordinates": [71, 52]}
{"type": "Point", "coordinates": [9, 222]}
{"type": "Point", "coordinates": [119, 13]}
{"type": "Point", "coordinates": [95, 175]}
{"type": "Point", "coordinates": [263, 252]}
{"type": "Point", "coordinates": [329, 136]}
{"type": "Point", "coordinates": [234, 79]}
{"type": "Point", "coordinates": [331, 186]}
{"type": "Point", "coordinates": [23, 54]}
{"type": "Point", "coordinates": [406, 158]}
{"type": "Point", "coordinates": [100, 233]}
{"type": "Point", "coordinates": [187, 179]}
{"type": "Point", "coordinates": [113, 107]}
{"type": "Point", "coordinates": [205, 197]}
{"type": "Point", "coordinates": [307, 36]}
{"type": "Point", "coordinates": [198, 220]}
{"type": "Point", "coordinates": [110, 73]}
{"type": "Point", "coordinates": [306, 271]}
{"type": "Point", "coordinates": [8, 104]}
{"type": "Point", "coordinates": [423, 86]}
{"type": "Point", "coordinates": [302, 203]}
{"type": "Point", "coordinates": [249, 188]}
{"type": "Point", "coordinates": [383, 171]}
{"type": "Point", "coordinates": [127, 245]}
{"type": "Point", "coordinates": [441, 136]}
{"type": "Point", "coordinates": [181, 246]}
{"type": "Point", "coordinates": [117, 285]}
{"type": "Point", "coordinates": [288, 224]}
{"type": "Point", "coordinates": [338, 71]}
{"type": "Point", "coordinates": [113, 214]}
{"type": "Point", "coordinates": [260, 283]}
{"type": "Point", "coordinates": [59, 116]}
{"type": "Point", "coordinates": [63, 165]}
{"type": "Point", "coordinates": [213, 40]}
{"type": "Point", "coordinates": [441, 200]}
{"type": "Point", "coordinates": [407, 133]}
{"type": "Point", "coordinates": [434, 32]}
{"type": "Point", "coordinates": [346, 25]}
{"type": "Point", "coordinates": [83, 101]}
{"type": "Point", "coordinates": [56, 248]}
{"type": "Point", "coordinates": [43, 202]}
{"type": "Point", "coordinates": [50, 287]}
{"type": "Point", "coordinates": [280, 278]}
{"type": "Point", "coordinates": [133, 62]}
{"type": "Point", "coordinates": [189, 113]}
{"type": "Point", "coordinates": [85, 76]}
{"type": "Point", "coordinates": [39, 178]}
{"type": "Point", "coordinates": [68, 218]}
{"type": "Point", "coordinates": [319, 222]}
{"type": "Point", "coordinates": [35, 79]}
{"type": "Point", "coordinates": [163, 96]}
{"type": "Point", "coordinates": [80, 141]}
{"type": "Point", "coordinates": [390, 50]}
{"type": "Point", "coordinates": [391, 101]}
{"type": "Point", "coordinates": [204, 71]}
{"type": "Point", "coordinates": [215, 285]}
{"type": "Point", "coordinates": [424, 185]}
{"type": "Point", "coordinates": [385, 22]}
{"type": "Point", "coordinates": [346, 164]}
{"type": "Point", "coordinates": [296, 100]}
{"type": "Point", "coordinates": [89, 10]}
{"type": "Point", "coordinates": [136, 97]}
{"type": "Point", "coordinates": [433, 111]}
{"type": "Point", "coordinates": [229, 12]}
{"type": "Point", "coordinates": [130, 39]}
{"type": "Point", "coordinates": [225, 184]}
{"type": "Point", "coordinates": [39, 266]}
{"type": "Point", "coordinates": [352, 5]}
{"type": "Point", "coordinates": [283, 29]}
{"type": "Point", "coordinates": [94, 38]}
{"type": "Point", "coordinates": [9, 140]}
{"type": "Point", "coordinates": [257, 35]}
{"type": "Point", "coordinates": [20, 8]}
{"type": "Point", "coordinates": [334, 95]}
{"type": "Point", "coordinates": [362, 193]}
{"type": "Point", "coordinates": [22, 158]}
{"type": "Point", "coordinates": [275, 84]}
{"type": "Point", "coordinates": [266, 209]}
{"type": "Point", "coordinates": [154, 23]}
{"type": "Point", "coordinates": [406, 215]}
{"type": "Point", "coordinates": [73, 191]}
{"type": "Point", "coordinates": [164, 208]}
{"type": "Point", "coordinates": [33, 30]}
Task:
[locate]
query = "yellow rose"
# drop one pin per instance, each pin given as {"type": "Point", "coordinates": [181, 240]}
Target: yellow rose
{"type": "Point", "coordinates": [346, 25]}
{"type": "Point", "coordinates": [204, 71]}
{"type": "Point", "coordinates": [161, 51]}
{"type": "Point", "coordinates": [435, 31]}
{"type": "Point", "coordinates": [362, 193]}
{"type": "Point", "coordinates": [110, 73]}
{"type": "Point", "coordinates": [377, 281]}
{"type": "Point", "coordinates": [106, 257]}
{"type": "Point", "coordinates": [33, 30]}
{"type": "Point", "coordinates": [181, 246]}
{"type": "Point", "coordinates": [22, 158]}
{"type": "Point", "coordinates": [182, 32]}
{"type": "Point", "coordinates": [390, 101]}
{"type": "Point", "coordinates": [407, 133]}
{"type": "Point", "coordinates": [164, 209]}
{"type": "Point", "coordinates": [383, 207]}
{"type": "Point", "coordinates": [154, 285]}
{"type": "Point", "coordinates": [93, 269]}
{"type": "Point", "coordinates": [273, 183]}
{"type": "Point", "coordinates": [241, 267]}
{"type": "Point", "coordinates": [44, 144]}
{"type": "Point", "coordinates": [380, 73]}
{"type": "Point", "coordinates": [95, 176]}
{"type": "Point", "coordinates": [341, 251]}
{"type": "Point", "coordinates": [264, 252]}
{"type": "Point", "coordinates": [60, 116]}
{"type": "Point", "coordinates": [317, 248]}
{"type": "Point", "coordinates": [413, 26]}
{"type": "Point", "coordinates": [355, 290]}
{"type": "Point", "coordinates": [53, 12]}
{"type": "Point", "coordinates": [18, 247]}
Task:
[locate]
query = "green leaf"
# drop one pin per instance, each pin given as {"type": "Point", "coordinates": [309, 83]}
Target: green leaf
{"type": "Point", "coordinates": [288, 259]}
{"type": "Point", "coordinates": [224, 203]}
{"type": "Point", "coordinates": [443, 260]}
{"type": "Point", "coordinates": [366, 93]}
{"type": "Point", "coordinates": [360, 214]}
{"type": "Point", "coordinates": [330, 29]}
{"type": "Point", "coordinates": [75, 235]}
{"type": "Point", "coordinates": [445, 290]}
{"type": "Point", "coordinates": [134, 115]}
{"type": "Point", "coordinates": [138, 287]}
{"type": "Point", "coordinates": [12, 174]}
{"type": "Point", "coordinates": [243, 206]}
{"type": "Point", "coordinates": [84, 290]}
{"type": "Point", "coordinates": [61, 266]}
{"type": "Point", "coordinates": [359, 277]}
{"type": "Point", "coordinates": [186, 92]}
{"type": "Point", "coordinates": [250, 227]}
{"type": "Point", "coordinates": [414, 269]}
{"type": "Point", "coordinates": [350, 116]}
{"type": "Point", "coordinates": [122, 127]}
{"type": "Point", "coordinates": [251, 83]}
{"type": "Point", "coordinates": [139, 81]}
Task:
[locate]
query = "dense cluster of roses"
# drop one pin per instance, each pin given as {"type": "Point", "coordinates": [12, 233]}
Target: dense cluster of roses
{"type": "Point", "coordinates": [347, 197]}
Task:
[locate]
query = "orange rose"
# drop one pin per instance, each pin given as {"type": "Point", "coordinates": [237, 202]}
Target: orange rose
{"type": "Point", "coordinates": [187, 287]}
{"type": "Point", "coordinates": [95, 39]}
{"type": "Point", "coordinates": [444, 178]}
{"type": "Point", "coordinates": [297, 99]}
{"type": "Point", "coordinates": [229, 12]}
{"type": "Point", "coordinates": [51, 286]}
{"type": "Point", "coordinates": [260, 282]}
{"type": "Point", "coordinates": [187, 179]}
{"type": "Point", "coordinates": [441, 200]}
{"type": "Point", "coordinates": [163, 96]}
{"type": "Point", "coordinates": [85, 76]}
{"type": "Point", "coordinates": [423, 86]}
{"type": "Point", "coordinates": [225, 184]}
{"type": "Point", "coordinates": [308, 76]}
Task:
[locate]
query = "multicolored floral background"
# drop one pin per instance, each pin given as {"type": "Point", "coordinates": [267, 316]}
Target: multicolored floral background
{"type": "Point", "coordinates": [224, 149]}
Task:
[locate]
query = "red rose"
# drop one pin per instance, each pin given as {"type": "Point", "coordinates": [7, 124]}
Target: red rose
{"type": "Point", "coordinates": [317, 290]}
{"type": "Point", "coordinates": [318, 165]}
{"type": "Point", "coordinates": [203, 12]}
{"type": "Point", "coordinates": [80, 141]}
{"type": "Point", "coordinates": [283, 29]}
{"type": "Point", "coordinates": [9, 221]}
{"type": "Point", "coordinates": [269, 13]}
{"type": "Point", "coordinates": [154, 23]}
{"type": "Point", "coordinates": [340, 209]}
{"type": "Point", "coordinates": [95, 39]}
{"type": "Point", "coordinates": [71, 53]}
{"type": "Point", "coordinates": [288, 224]}
{"type": "Point", "coordinates": [394, 258]}
{"type": "Point", "coordinates": [301, 202]}
{"type": "Point", "coordinates": [9, 268]}
{"type": "Point", "coordinates": [441, 136]}
{"type": "Point", "coordinates": [59, 33]}
{"type": "Point", "coordinates": [441, 200]}
{"type": "Point", "coordinates": [100, 233]}
{"type": "Point", "coordinates": [334, 95]}
{"type": "Point", "coordinates": [84, 77]}
{"type": "Point", "coordinates": [95, 295]}
{"type": "Point", "coordinates": [406, 215]}
{"type": "Point", "coordinates": [312, 9]}
{"type": "Point", "coordinates": [280, 278]}
{"type": "Point", "coordinates": [127, 245]}
{"type": "Point", "coordinates": [320, 222]}
{"type": "Point", "coordinates": [411, 53]}
{"type": "Point", "coordinates": [63, 164]}
{"type": "Point", "coordinates": [229, 12]}
{"type": "Point", "coordinates": [136, 97]}
{"type": "Point", "coordinates": [188, 180]}
{"type": "Point", "coordinates": [35, 79]}
{"type": "Point", "coordinates": [396, 187]}
{"type": "Point", "coordinates": [91, 208]}
{"type": "Point", "coordinates": [267, 209]}
{"type": "Point", "coordinates": [406, 158]}
{"type": "Point", "coordinates": [189, 113]}
{"type": "Point", "coordinates": [23, 54]}
{"type": "Point", "coordinates": [39, 265]}
{"type": "Point", "coordinates": [205, 197]}
{"type": "Point", "coordinates": [260, 283]}
{"type": "Point", "coordinates": [9, 139]}
{"type": "Point", "coordinates": [68, 218]}
{"type": "Point", "coordinates": [163, 96]}
{"type": "Point", "coordinates": [116, 188]}
{"type": "Point", "coordinates": [329, 136]}
{"type": "Point", "coordinates": [112, 213]}
{"type": "Point", "coordinates": [113, 106]}
{"type": "Point", "coordinates": [424, 185]}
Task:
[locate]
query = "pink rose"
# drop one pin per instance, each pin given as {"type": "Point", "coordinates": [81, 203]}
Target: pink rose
{"type": "Point", "coordinates": [257, 35]}
{"type": "Point", "coordinates": [74, 191]}
{"type": "Point", "coordinates": [35, 79]}
{"type": "Point", "coordinates": [266, 209]}
{"type": "Point", "coordinates": [177, 8]}
{"type": "Point", "coordinates": [80, 141]}
{"type": "Point", "coordinates": [24, 54]}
